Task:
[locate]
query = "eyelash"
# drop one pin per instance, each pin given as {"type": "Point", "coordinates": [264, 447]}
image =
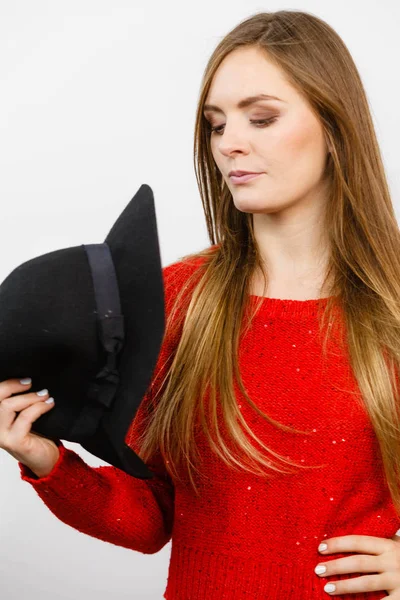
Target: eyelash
{"type": "Point", "coordinates": [259, 121]}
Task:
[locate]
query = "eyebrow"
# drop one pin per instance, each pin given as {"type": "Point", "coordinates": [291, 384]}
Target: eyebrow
{"type": "Point", "coordinates": [243, 103]}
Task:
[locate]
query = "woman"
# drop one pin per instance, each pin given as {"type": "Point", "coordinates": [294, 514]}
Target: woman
{"type": "Point", "coordinates": [308, 246]}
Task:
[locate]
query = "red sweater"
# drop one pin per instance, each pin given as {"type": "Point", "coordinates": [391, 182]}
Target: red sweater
{"type": "Point", "coordinates": [246, 536]}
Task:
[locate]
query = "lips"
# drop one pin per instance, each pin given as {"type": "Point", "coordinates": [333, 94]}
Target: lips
{"type": "Point", "coordinates": [244, 178]}
{"type": "Point", "coordinates": [240, 173]}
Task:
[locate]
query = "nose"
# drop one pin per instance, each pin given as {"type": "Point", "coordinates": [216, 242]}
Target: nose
{"type": "Point", "coordinates": [232, 142]}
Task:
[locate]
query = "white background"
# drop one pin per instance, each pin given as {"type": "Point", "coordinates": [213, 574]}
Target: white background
{"type": "Point", "coordinates": [96, 98]}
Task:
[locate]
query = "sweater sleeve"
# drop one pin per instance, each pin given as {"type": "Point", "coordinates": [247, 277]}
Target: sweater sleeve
{"type": "Point", "coordinates": [105, 502]}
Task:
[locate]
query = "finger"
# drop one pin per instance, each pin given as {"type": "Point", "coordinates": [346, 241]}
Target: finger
{"type": "Point", "coordinates": [358, 585]}
{"type": "Point", "coordinates": [12, 386]}
{"type": "Point", "coordinates": [357, 563]}
{"type": "Point", "coordinates": [10, 406]}
{"type": "Point", "coordinates": [11, 439]}
{"type": "Point", "coordinates": [366, 544]}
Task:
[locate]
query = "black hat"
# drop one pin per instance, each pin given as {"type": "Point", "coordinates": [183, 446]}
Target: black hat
{"type": "Point", "coordinates": [87, 323]}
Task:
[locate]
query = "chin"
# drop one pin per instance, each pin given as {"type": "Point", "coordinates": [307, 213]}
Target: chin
{"type": "Point", "coordinates": [250, 204]}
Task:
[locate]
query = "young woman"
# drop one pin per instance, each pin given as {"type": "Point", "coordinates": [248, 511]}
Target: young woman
{"type": "Point", "coordinates": [271, 422]}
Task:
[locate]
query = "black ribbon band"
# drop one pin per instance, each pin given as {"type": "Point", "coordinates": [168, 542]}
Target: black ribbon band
{"type": "Point", "coordinates": [102, 389]}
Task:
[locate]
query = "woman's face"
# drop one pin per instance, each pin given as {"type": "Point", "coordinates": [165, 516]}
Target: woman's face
{"type": "Point", "coordinates": [289, 150]}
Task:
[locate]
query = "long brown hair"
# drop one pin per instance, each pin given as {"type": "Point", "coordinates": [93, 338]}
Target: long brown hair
{"type": "Point", "coordinates": [363, 269]}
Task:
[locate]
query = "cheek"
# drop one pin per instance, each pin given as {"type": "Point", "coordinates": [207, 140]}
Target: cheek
{"type": "Point", "coordinates": [297, 150]}
{"type": "Point", "coordinates": [217, 157]}
{"type": "Point", "coordinates": [291, 138]}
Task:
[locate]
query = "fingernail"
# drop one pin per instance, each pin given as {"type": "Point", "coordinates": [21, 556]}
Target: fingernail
{"type": "Point", "coordinates": [319, 569]}
{"type": "Point", "coordinates": [42, 392]}
{"type": "Point", "coordinates": [322, 547]}
{"type": "Point", "coordinates": [330, 587]}
{"type": "Point", "coordinates": [25, 381]}
{"type": "Point", "coordinates": [49, 401]}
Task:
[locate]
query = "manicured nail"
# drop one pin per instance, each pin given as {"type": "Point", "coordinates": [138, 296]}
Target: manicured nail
{"type": "Point", "coordinates": [49, 401]}
{"type": "Point", "coordinates": [330, 587]}
{"type": "Point", "coordinates": [25, 381]}
{"type": "Point", "coordinates": [319, 569]}
{"type": "Point", "coordinates": [42, 392]}
{"type": "Point", "coordinates": [322, 547]}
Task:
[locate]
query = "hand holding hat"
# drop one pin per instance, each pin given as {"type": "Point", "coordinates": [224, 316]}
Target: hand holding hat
{"type": "Point", "coordinates": [87, 323]}
{"type": "Point", "coordinates": [31, 449]}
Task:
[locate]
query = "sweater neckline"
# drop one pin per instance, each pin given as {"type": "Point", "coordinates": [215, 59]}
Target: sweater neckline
{"type": "Point", "coordinates": [288, 308]}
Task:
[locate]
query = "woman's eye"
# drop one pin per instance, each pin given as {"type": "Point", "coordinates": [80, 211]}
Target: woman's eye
{"type": "Point", "coordinates": [261, 122]}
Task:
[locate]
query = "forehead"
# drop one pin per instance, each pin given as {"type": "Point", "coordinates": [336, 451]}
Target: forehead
{"type": "Point", "coordinates": [247, 72]}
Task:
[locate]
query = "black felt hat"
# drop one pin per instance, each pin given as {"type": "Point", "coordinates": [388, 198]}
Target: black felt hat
{"type": "Point", "coordinates": [87, 323]}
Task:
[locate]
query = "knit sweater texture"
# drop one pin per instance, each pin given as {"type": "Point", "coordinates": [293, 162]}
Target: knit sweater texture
{"type": "Point", "coordinates": [247, 536]}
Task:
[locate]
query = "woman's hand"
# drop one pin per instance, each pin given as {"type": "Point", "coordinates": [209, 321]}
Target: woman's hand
{"type": "Point", "coordinates": [378, 555]}
{"type": "Point", "coordinates": [36, 452]}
